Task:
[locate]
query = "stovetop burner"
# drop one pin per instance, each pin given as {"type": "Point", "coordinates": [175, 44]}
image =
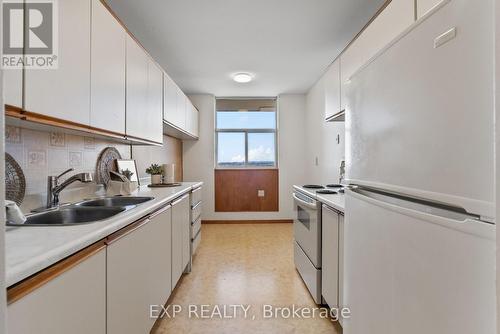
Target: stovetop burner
{"type": "Point", "coordinates": [326, 192]}
{"type": "Point", "coordinates": [334, 186]}
{"type": "Point", "coordinates": [313, 186]}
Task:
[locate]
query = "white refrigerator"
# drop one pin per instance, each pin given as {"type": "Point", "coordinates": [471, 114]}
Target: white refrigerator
{"type": "Point", "coordinates": [419, 228]}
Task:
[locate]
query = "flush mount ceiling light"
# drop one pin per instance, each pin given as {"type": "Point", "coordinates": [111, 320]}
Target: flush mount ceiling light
{"type": "Point", "coordinates": [242, 77]}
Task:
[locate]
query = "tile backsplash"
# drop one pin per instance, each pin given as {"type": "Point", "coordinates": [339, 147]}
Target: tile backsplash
{"type": "Point", "coordinates": [41, 154]}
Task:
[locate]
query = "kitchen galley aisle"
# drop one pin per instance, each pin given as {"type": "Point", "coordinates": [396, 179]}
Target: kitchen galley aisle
{"type": "Point", "coordinates": [243, 264]}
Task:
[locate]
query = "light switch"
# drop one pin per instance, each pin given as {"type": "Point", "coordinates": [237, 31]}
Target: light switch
{"type": "Point", "coordinates": [261, 193]}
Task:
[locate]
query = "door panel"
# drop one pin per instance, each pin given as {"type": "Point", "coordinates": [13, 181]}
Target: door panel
{"type": "Point", "coordinates": [432, 136]}
{"type": "Point", "coordinates": [419, 275]}
{"type": "Point", "coordinates": [74, 302]}
{"type": "Point", "coordinates": [108, 71]}
{"type": "Point", "coordinates": [137, 90]}
{"type": "Point", "coordinates": [64, 92]}
{"type": "Point", "coordinates": [330, 257]}
{"type": "Point", "coordinates": [139, 275]}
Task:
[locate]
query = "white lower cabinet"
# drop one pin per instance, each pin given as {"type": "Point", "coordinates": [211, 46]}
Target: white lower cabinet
{"type": "Point", "coordinates": [330, 256]}
{"type": "Point", "coordinates": [341, 265]}
{"type": "Point", "coordinates": [181, 239]}
{"type": "Point", "coordinates": [139, 274]}
{"type": "Point", "coordinates": [73, 302]}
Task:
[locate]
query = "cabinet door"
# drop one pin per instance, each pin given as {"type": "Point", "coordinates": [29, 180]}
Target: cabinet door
{"type": "Point", "coordinates": [424, 6]}
{"type": "Point", "coordinates": [180, 237]}
{"type": "Point", "coordinates": [194, 121]}
{"type": "Point", "coordinates": [330, 256]}
{"type": "Point", "coordinates": [154, 130]}
{"type": "Point", "coordinates": [137, 90]}
{"type": "Point", "coordinates": [107, 109]}
{"type": "Point", "coordinates": [139, 275]}
{"type": "Point", "coordinates": [64, 92]}
{"type": "Point", "coordinates": [170, 99]}
{"type": "Point", "coordinates": [395, 18]}
{"type": "Point", "coordinates": [73, 302]}
{"type": "Point", "coordinates": [341, 264]}
{"type": "Point", "coordinates": [13, 87]}
{"type": "Point", "coordinates": [332, 89]}
{"type": "Point", "coordinates": [13, 79]}
{"type": "Point", "coordinates": [180, 113]}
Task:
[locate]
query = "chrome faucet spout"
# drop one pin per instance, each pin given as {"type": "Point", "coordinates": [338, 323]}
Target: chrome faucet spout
{"type": "Point", "coordinates": [54, 188]}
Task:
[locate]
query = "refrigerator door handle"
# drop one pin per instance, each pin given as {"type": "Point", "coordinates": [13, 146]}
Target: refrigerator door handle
{"type": "Point", "coordinates": [448, 219]}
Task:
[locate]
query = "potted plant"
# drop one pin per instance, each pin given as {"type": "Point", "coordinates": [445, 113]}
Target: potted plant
{"type": "Point", "coordinates": [156, 172]}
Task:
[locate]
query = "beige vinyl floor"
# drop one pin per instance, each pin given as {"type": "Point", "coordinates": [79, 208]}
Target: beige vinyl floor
{"type": "Point", "coordinates": [242, 265]}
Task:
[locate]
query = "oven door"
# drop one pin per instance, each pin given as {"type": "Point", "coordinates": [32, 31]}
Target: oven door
{"type": "Point", "coordinates": [307, 227]}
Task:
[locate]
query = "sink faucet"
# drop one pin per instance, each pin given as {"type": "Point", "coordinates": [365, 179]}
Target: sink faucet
{"type": "Point", "coordinates": [54, 188]}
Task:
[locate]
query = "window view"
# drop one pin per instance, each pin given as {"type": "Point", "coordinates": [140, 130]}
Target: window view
{"type": "Point", "coordinates": [245, 137]}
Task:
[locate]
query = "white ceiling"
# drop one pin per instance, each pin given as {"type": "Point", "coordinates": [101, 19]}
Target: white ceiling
{"type": "Point", "coordinates": [287, 44]}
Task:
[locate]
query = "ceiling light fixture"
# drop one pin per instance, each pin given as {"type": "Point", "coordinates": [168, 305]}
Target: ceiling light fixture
{"type": "Point", "coordinates": [242, 77]}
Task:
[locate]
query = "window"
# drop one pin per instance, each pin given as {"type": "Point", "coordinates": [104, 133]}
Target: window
{"type": "Point", "coordinates": [246, 133]}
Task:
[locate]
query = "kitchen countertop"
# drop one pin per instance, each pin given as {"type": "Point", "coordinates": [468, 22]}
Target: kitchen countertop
{"type": "Point", "coordinates": [336, 201]}
{"type": "Point", "coordinates": [31, 249]}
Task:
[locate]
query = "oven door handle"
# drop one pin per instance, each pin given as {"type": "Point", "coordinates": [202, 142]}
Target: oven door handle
{"type": "Point", "coordinates": [304, 203]}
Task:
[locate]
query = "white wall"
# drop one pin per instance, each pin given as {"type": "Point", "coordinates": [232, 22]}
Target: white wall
{"type": "Point", "coordinates": [323, 154]}
{"type": "Point", "coordinates": [199, 157]}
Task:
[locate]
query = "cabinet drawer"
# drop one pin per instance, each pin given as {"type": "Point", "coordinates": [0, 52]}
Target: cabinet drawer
{"type": "Point", "coordinates": [195, 196]}
{"type": "Point", "coordinates": [195, 228]}
{"type": "Point", "coordinates": [196, 212]}
{"type": "Point", "coordinates": [196, 242]}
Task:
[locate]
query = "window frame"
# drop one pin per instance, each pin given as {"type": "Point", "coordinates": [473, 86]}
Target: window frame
{"type": "Point", "coordinates": [246, 164]}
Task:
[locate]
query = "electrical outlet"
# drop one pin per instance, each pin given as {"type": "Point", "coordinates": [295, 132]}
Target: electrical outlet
{"type": "Point", "coordinates": [261, 193]}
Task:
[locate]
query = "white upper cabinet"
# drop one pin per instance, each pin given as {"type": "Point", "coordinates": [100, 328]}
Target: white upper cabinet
{"type": "Point", "coordinates": [179, 117]}
{"type": "Point", "coordinates": [64, 92]}
{"type": "Point", "coordinates": [13, 87]}
{"type": "Point", "coordinates": [179, 113]}
{"type": "Point", "coordinates": [108, 71]}
{"type": "Point", "coordinates": [192, 119]}
{"type": "Point", "coordinates": [144, 95]}
{"type": "Point", "coordinates": [169, 99]}
{"type": "Point", "coordinates": [332, 90]}
{"type": "Point", "coordinates": [137, 90]}
{"type": "Point", "coordinates": [154, 130]}
{"type": "Point", "coordinates": [424, 6]}
{"type": "Point", "coordinates": [393, 20]}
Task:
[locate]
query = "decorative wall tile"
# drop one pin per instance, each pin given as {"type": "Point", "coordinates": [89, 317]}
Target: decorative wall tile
{"type": "Point", "coordinates": [57, 159]}
{"type": "Point", "coordinates": [74, 143]}
{"type": "Point", "coordinates": [57, 139]}
{"type": "Point", "coordinates": [36, 159]}
{"type": "Point", "coordinates": [35, 140]}
{"type": "Point", "coordinates": [41, 154]}
{"type": "Point", "coordinates": [75, 159]}
{"type": "Point", "coordinates": [89, 143]}
{"type": "Point", "coordinates": [90, 159]}
{"type": "Point", "coordinates": [12, 134]}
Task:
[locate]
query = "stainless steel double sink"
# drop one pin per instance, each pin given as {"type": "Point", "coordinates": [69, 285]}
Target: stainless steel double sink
{"type": "Point", "coordinates": [84, 212]}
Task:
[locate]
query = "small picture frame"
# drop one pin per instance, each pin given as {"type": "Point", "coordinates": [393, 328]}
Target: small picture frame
{"type": "Point", "coordinates": [130, 165]}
